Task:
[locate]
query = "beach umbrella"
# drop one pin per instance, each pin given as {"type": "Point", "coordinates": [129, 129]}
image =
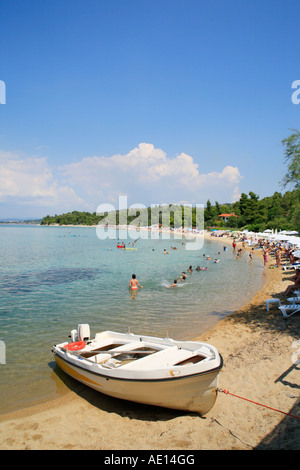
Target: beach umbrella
{"type": "Point", "coordinates": [267, 231]}
{"type": "Point", "coordinates": [297, 254]}
{"type": "Point", "coordinates": [282, 237]}
{"type": "Point", "coordinates": [294, 240]}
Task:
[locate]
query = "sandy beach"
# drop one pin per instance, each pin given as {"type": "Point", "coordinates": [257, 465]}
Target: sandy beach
{"type": "Point", "coordinates": [259, 350]}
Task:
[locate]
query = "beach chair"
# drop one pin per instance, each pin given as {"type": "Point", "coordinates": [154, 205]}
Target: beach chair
{"type": "Point", "coordinates": [289, 310]}
{"type": "Point", "coordinates": [272, 301]}
{"type": "Point", "coordinates": [294, 300]}
{"type": "Point", "coordinates": [291, 266]}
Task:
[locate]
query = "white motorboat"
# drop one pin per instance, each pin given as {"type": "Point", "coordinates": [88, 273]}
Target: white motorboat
{"type": "Point", "coordinates": [156, 371]}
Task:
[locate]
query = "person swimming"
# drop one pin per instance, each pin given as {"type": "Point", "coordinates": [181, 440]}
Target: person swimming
{"type": "Point", "coordinates": [134, 283]}
{"type": "Point", "coordinates": [173, 285]}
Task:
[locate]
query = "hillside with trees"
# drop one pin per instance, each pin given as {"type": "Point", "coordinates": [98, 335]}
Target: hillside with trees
{"type": "Point", "coordinates": [280, 211]}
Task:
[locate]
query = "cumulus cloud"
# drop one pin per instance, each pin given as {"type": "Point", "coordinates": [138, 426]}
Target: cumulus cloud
{"type": "Point", "coordinates": [30, 181]}
{"type": "Point", "coordinates": [147, 175]}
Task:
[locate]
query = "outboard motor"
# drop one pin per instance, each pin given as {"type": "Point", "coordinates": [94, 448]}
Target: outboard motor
{"type": "Point", "coordinates": [83, 332]}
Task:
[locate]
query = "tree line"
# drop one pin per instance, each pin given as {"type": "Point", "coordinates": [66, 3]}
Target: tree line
{"type": "Point", "coordinates": [280, 211]}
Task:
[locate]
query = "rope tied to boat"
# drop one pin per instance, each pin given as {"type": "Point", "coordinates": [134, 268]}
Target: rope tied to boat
{"type": "Point", "coordinates": [226, 392]}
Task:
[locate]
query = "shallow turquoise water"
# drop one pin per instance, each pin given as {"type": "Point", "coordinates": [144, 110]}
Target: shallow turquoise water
{"type": "Point", "coordinates": [53, 278]}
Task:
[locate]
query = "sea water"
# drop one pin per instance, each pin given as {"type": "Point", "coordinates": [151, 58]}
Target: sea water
{"type": "Point", "coordinates": [53, 278]}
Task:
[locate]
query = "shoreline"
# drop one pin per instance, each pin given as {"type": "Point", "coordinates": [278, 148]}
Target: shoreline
{"type": "Point", "coordinates": [256, 346]}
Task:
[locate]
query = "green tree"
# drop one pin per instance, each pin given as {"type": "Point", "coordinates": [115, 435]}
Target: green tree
{"type": "Point", "coordinates": [292, 156]}
{"type": "Point", "coordinates": [232, 222]}
{"type": "Point", "coordinates": [243, 203]}
{"type": "Point", "coordinates": [296, 219]}
{"type": "Point", "coordinates": [251, 212]}
{"type": "Point", "coordinates": [218, 208]}
{"type": "Point", "coordinates": [295, 211]}
{"type": "Point", "coordinates": [210, 215]}
{"type": "Point", "coordinates": [275, 208]}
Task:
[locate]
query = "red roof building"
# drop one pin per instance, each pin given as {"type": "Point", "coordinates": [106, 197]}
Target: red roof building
{"type": "Point", "coordinates": [226, 216]}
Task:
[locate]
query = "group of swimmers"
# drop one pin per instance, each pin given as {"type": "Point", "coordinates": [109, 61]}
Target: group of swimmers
{"type": "Point", "coordinates": [123, 246]}
{"type": "Point", "coordinates": [183, 276]}
{"type": "Point", "coordinates": [208, 258]}
{"type": "Point", "coordinates": [168, 252]}
{"type": "Point", "coordinates": [134, 283]}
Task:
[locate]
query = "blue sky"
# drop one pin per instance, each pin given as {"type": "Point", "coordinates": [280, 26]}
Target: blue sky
{"type": "Point", "coordinates": [162, 101]}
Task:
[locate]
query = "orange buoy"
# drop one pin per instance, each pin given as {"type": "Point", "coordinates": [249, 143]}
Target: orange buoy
{"type": "Point", "coordinates": [75, 346]}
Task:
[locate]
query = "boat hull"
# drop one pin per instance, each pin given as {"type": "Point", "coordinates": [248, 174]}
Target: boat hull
{"type": "Point", "coordinates": [195, 393]}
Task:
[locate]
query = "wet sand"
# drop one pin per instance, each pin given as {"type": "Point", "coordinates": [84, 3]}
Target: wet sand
{"type": "Point", "coordinates": [259, 351]}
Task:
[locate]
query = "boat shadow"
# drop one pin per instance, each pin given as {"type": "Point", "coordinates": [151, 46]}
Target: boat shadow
{"type": "Point", "coordinates": [123, 408]}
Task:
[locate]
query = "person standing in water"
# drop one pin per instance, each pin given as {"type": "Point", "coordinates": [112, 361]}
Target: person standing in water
{"type": "Point", "coordinates": [134, 283]}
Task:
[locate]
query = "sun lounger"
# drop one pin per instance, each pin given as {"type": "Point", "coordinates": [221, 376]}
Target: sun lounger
{"type": "Point", "coordinates": [291, 266]}
{"type": "Point", "coordinates": [294, 300]}
{"type": "Point", "coordinates": [289, 310]}
{"type": "Point", "coordinates": [272, 301]}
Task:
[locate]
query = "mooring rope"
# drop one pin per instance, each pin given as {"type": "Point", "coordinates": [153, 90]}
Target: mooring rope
{"type": "Point", "coordinates": [256, 403]}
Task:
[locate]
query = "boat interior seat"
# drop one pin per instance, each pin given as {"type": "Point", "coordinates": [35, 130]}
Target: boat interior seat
{"type": "Point", "coordinates": [101, 353]}
{"type": "Point", "coordinates": [169, 357]}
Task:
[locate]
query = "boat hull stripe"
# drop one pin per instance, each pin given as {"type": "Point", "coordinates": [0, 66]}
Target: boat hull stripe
{"type": "Point", "coordinates": [67, 365]}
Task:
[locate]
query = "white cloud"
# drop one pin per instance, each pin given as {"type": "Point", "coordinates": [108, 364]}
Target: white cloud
{"type": "Point", "coordinates": [30, 181]}
{"type": "Point", "coordinates": [147, 175]}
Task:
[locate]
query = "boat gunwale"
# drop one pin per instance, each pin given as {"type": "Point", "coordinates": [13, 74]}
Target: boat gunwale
{"type": "Point", "coordinates": [62, 356]}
